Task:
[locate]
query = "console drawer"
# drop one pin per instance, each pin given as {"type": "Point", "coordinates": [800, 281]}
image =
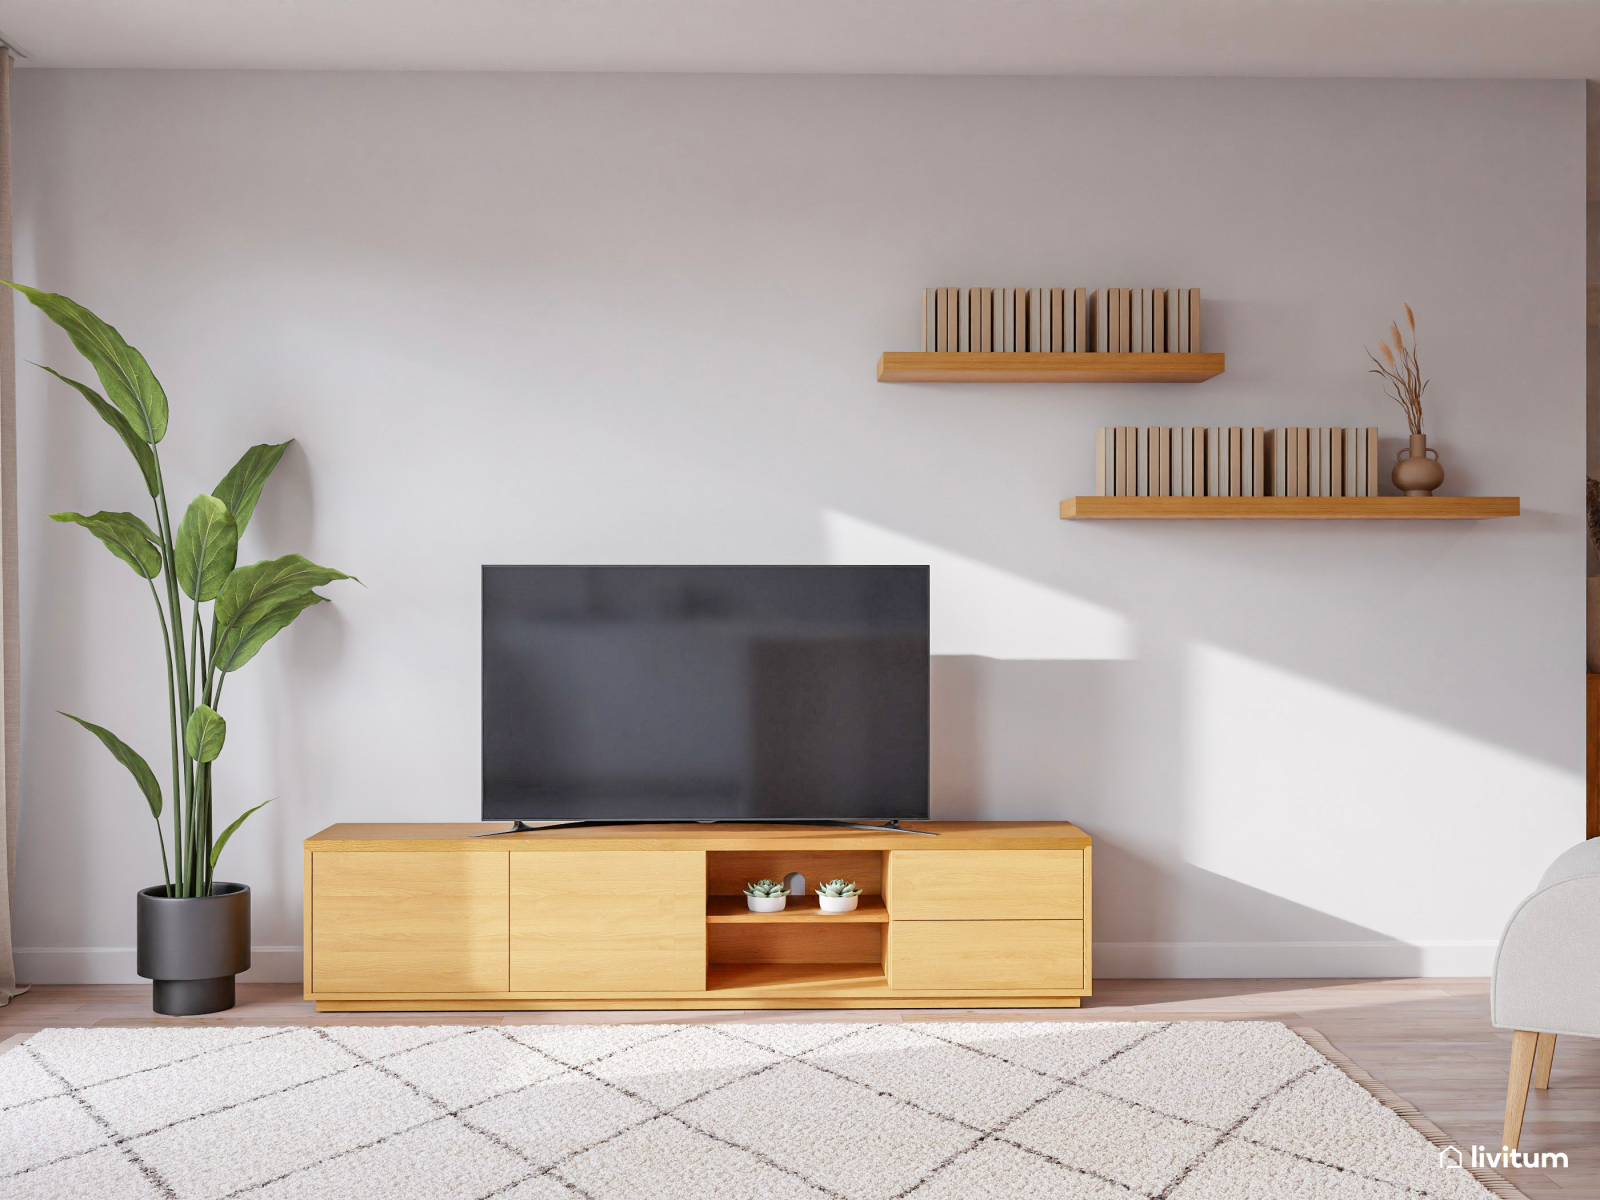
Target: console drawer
{"type": "Point", "coordinates": [957, 956]}
{"type": "Point", "coordinates": [984, 885]}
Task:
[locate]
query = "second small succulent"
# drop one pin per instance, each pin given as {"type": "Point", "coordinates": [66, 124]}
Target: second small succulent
{"type": "Point", "coordinates": [838, 896]}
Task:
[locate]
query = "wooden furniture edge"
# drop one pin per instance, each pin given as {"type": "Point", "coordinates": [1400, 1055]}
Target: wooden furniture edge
{"type": "Point", "coordinates": [1020, 835]}
{"type": "Point", "coordinates": [1289, 508]}
{"type": "Point", "coordinates": [1088, 920]}
{"type": "Point", "coordinates": [698, 1004]}
{"type": "Point", "coordinates": [1592, 781]}
{"type": "Point", "coordinates": [306, 981]}
{"type": "Point", "coordinates": [917, 366]}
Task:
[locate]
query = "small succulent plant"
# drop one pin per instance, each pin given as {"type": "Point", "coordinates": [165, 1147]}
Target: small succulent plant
{"type": "Point", "coordinates": [764, 888]}
{"type": "Point", "coordinates": [838, 887]}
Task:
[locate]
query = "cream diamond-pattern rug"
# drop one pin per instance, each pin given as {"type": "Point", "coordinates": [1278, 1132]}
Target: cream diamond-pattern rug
{"type": "Point", "coordinates": [924, 1111]}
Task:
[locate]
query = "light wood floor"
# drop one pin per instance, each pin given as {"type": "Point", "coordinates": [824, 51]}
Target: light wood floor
{"type": "Point", "coordinates": [1428, 1039]}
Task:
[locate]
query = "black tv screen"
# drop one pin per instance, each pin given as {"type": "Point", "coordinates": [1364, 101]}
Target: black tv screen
{"type": "Point", "coordinates": [705, 693]}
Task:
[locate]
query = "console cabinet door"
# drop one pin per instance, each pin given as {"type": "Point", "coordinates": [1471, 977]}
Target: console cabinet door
{"type": "Point", "coordinates": [608, 921]}
{"type": "Point", "coordinates": [408, 922]}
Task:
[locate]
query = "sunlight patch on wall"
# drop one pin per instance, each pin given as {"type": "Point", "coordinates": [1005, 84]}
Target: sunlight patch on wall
{"type": "Point", "coordinates": [977, 609]}
{"type": "Point", "coordinates": [1343, 804]}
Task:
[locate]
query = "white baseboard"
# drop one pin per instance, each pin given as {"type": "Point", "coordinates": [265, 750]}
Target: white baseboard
{"type": "Point", "coordinates": [1290, 960]}
{"type": "Point", "coordinates": [115, 964]}
{"type": "Point", "coordinates": [1112, 960]}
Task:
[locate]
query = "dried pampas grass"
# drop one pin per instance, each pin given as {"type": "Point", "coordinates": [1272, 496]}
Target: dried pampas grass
{"type": "Point", "coordinates": [1403, 378]}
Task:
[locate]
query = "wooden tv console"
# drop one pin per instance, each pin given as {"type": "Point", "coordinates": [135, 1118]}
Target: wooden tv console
{"type": "Point", "coordinates": [429, 918]}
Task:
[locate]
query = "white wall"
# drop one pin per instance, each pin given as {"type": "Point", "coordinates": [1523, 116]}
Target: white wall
{"type": "Point", "coordinates": [635, 319]}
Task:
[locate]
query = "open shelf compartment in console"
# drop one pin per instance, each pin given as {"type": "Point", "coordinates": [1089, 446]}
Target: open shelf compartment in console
{"type": "Point", "coordinates": [801, 947]}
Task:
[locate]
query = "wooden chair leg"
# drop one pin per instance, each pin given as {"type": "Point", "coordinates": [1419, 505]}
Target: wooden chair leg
{"type": "Point", "coordinates": [1523, 1044]}
{"type": "Point", "coordinates": [1544, 1057]}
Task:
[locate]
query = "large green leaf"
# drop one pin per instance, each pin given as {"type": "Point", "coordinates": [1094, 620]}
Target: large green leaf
{"type": "Point", "coordinates": [216, 847]}
{"type": "Point", "coordinates": [241, 639]}
{"type": "Point", "coordinates": [258, 601]}
{"type": "Point", "coordinates": [205, 733]}
{"type": "Point", "coordinates": [125, 535]}
{"type": "Point", "coordinates": [207, 547]}
{"type": "Point", "coordinates": [137, 446]}
{"type": "Point", "coordinates": [130, 758]}
{"type": "Point", "coordinates": [126, 377]}
{"type": "Point", "coordinates": [241, 487]}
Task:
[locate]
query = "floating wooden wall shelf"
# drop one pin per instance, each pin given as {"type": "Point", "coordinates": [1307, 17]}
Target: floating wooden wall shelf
{"type": "Point", "coordinates": [1289, 508]}
{"type": "Point", "coordinates": [917, 367]}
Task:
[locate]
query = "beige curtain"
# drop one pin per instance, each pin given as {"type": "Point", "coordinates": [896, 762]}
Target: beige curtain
{"type": "Point", "coordinates": [10, 630]}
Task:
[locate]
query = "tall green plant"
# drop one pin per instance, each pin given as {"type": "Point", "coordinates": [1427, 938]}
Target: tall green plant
{"type": "Point", "coordinates": [248, 605]}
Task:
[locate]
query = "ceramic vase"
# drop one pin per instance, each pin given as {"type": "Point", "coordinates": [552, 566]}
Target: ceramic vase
{"type": "Point", "coordinates": [768, 904]}
{"type": "Point", "coordinates": [1415, 473]}
{"type": "Point", "coordinates": [837, 904]}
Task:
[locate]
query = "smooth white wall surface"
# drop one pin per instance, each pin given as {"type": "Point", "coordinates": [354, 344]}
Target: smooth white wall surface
{"type": "Point", "coordinates": [625, 319]}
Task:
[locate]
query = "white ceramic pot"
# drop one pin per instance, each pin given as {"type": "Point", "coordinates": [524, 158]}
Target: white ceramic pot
{"type": "Point", "coordinates": [838, 904]}
{"type": "Point", "coordinates": [766, 903]}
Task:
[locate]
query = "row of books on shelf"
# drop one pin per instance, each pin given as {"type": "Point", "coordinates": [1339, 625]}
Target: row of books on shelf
{"type": "Point", "coordinates": [1061, 320]}
{"type": "Point", "coordinates": [1236, 461]}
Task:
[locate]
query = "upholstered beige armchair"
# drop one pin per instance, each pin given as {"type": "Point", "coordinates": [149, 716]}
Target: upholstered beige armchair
{"type": "Point", "coordinates": [1547, 973]}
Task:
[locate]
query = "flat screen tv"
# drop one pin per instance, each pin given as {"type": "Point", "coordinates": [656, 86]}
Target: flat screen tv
{"type": "Point", "coordinates": [621, 694]}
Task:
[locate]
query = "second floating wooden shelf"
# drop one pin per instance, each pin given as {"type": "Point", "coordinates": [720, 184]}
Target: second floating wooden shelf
{"type": "Point", "coordinates": [1289, 508]}
{"type": "Point", "coordinates": [917, 367]}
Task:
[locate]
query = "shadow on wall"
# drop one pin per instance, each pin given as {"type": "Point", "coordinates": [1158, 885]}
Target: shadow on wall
{"type": "Point", "coordinates": [1250, 819]}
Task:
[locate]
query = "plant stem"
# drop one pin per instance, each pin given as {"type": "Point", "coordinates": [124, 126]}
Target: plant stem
{"type": "Point", "coordinates": [162, 838]}
{"type": "Point", "coordinates": [194, 652]}
{"type": "Point", "coordinates": [188, 876]}
{"type": "Point", "coordinates": [205, 824]}
{"type": "Point", "coordinates": [172, 713]}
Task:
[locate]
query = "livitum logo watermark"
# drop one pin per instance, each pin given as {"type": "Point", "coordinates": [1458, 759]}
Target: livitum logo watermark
{"type": "Point", "coordinates": [1481, 1156]}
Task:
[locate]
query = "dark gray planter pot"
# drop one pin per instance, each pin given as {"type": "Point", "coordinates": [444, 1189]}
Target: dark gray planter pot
{"type": "Point", "coordinates": [193, 948]}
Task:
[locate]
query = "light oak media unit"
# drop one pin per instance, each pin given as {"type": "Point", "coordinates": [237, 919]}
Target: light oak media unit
{"type": "Point", "coordinates": [430, 918]}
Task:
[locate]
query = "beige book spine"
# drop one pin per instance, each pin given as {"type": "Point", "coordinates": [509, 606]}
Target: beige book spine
{"type": "Point", "coordinates": [1259, 440]}
{"type": "Point", "coordinates": [1080, 320]}
{"type": "Point", "coordinates": [1372, 461]}
{"type": "Point", "coordinates": [1194, 320]}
